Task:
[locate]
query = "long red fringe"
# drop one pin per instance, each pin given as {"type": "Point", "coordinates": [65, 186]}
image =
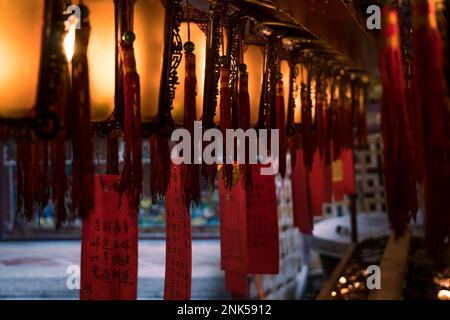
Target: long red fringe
{"type": "Point", "coordinates": [160, 166]}
{"type": "Point", "coordinates": [225, 121]}
{"type": "Point", "coordinates": [190, 172]}
{"type": "Point", "coordinates": [399, 181]}
{"type": "Point", "coordinates": [82, 168]}
{"type": "Point", "coordinates": [244, 124]}
{"type": "Point", "coordinates": [434, 113]}
{"type": "Point", "coordinates": [132, 171]}
{"type": "Point", "coordinates": [308, 136]}
{"type": "Point", "coordinates": [281, 126]}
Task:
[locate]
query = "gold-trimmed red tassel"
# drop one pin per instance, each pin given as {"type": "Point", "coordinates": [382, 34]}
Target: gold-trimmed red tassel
{"type": "Point", "coordinates": [308, 138]}
{"type": "Point", "coordinates": [433, 113]}
{"type": "Point", "coordinates": [190, 172]}
{"type": "Point", "coordinates": [132, 171]}
{"type": "Point", "coordinates": [399, 181]}
{"type": "Point", "coordinates": [82, 168]}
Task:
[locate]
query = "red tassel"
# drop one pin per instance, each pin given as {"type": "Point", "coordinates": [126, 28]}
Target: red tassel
{"type": "Point", "coordinates": [225, 121]}
{"type": "Point", "coordinates": [160, 166]}
{"type": "Point", "coordinates": [82, 168]}
{"type": "Point", "coordinates": [308, 138]}
{"type": "Point", "coordinates": [281, 126]}
{"type": "Point", "coordinates": [244, 122]}
{"type": "Point", "coordinates": [190, 172]}
{"type": "Point", "coordinates": [434, 114]}
{"type": "Point", "coordinates": [132, 171]}
{"type": "Point", "coordinates": [399, 180]}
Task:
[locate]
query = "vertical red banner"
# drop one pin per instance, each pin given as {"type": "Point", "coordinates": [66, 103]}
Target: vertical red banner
{"type": "Point", "coordinates": [177, 285]}
{"type": "Point", "coordinates": [262, 224]}
{"type": "Point", "coordinates": [109, 245]}
{"type": "Point", "coordinates": [233, 235]}
{"type": "Point", "coordinates": [344, 176]}
{"type": "Point", "coordinates": [301, 197]}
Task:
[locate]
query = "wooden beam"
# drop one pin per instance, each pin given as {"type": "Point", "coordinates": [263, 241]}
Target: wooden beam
{"type": "Point", "coordinates": [393, 269]}
{"type": "Point", "coordinates": [327, 288]}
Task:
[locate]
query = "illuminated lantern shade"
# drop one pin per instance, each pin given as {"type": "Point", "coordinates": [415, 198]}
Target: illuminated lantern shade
{"type": "Point", "coordinates": [254, 59]}
{"type": "Point", "coordinates": [20, 30]}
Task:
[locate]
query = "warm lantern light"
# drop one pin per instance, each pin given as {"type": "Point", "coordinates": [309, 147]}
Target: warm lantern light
{"type": "Point", "coordinates": [286, 71]}
{"type": "Point", "coordinates": [69, 40]}
{"type": "Point", "coordinates": [101, 58]}
{"type": "Point", "coordinates": [198, 37]}
{"type": "Point", "coordinates": [149, 49]}
{"type": "Point", "coordinates": [254, 59]}
{"type": "Point", "coordinates": [20, 34]}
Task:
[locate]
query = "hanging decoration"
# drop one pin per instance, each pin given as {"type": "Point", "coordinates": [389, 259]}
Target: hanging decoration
{"type": "Point", "coordinates": [159, 140]}
{"type": "Point", "coordinates": [109, 247]}
{"type": "Point", "coordinates": [433, 118]}
{"type": "Point", "coordinates": [280, 116]}
{"type": "Point", "coordinates": [399, 179]}
{"type": "Point", "coordinates": [190, 172]}
{"type": "Point", "coordinates": [82, 169]}
{"type": "Point", "coordinates": [132, 169]}
{"type": "Point", "coordinates": [178, 272]}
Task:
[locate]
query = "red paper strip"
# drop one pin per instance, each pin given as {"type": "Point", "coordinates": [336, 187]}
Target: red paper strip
{"type": "Point", "coordinates": [301, 197]}
{"type": "Point", "coordinates": [262, 224]}
{"type": "Point", "coordinates": [233, 226]}
{"type": "Point", "coordinates": [237, 284]}
{"type": "Point", "coordinates": [109, 246]}
{"type": "Point", "coordinates": [343, 176]}
{"type": "Point", "coordinates": [320, 185]}
{"type": "Point", "coordinates": [177, 285]}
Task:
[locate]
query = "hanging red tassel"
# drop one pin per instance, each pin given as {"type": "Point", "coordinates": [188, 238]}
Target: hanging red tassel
{"type": "Point", "coordinates": [399, 180]}
{"type": "Point", "coordinates": [244, 121]}
{"type": "Point", "coordinates": [225, 121]}
{"type": "Point", "coordinates": [308, 139]}
{"type": "Point", "coordinates": [132, 170]}
{"type": "Point", "coordinates": [82, 168]}
{"type": "Point", "coordinates": [190, 172]}
{"type": "Point", "coordinates": [433, 112]}
{"type": "Point", "coordinates": [281, 124]}
{"type": "Point", "coordinates": [160, 166]}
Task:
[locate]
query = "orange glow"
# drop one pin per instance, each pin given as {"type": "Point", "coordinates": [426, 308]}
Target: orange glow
{"type": "Point", "coordinates": [286, 71]}
{"type": "Point", "coordinates": [254, 59]}
{"type": "Point", "coordinates": [149, 49]}
{"type": "Point", "coordinates": [298, 95]}
{"type": "Point", "coordinates": [20, 34]}
{"type": "Point", "coordinates": [69, 40]}
{"type": "Point", "coordinates": [101, 58]}
{"type": "Point", "coordinates": [198, 37]}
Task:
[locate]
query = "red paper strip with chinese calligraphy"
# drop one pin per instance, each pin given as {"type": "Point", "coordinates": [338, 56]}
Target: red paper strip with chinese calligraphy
{"type": "Point", "coordinates": [343, 176]}
{"type": "Point", "coordinates": [109, 246]}
{"type": "Point", "coordinates": [262, 224]}
{"type": "Point", "coordinates": [177, 284]}
{"type": "Point", "coordinates": [303, 219]}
